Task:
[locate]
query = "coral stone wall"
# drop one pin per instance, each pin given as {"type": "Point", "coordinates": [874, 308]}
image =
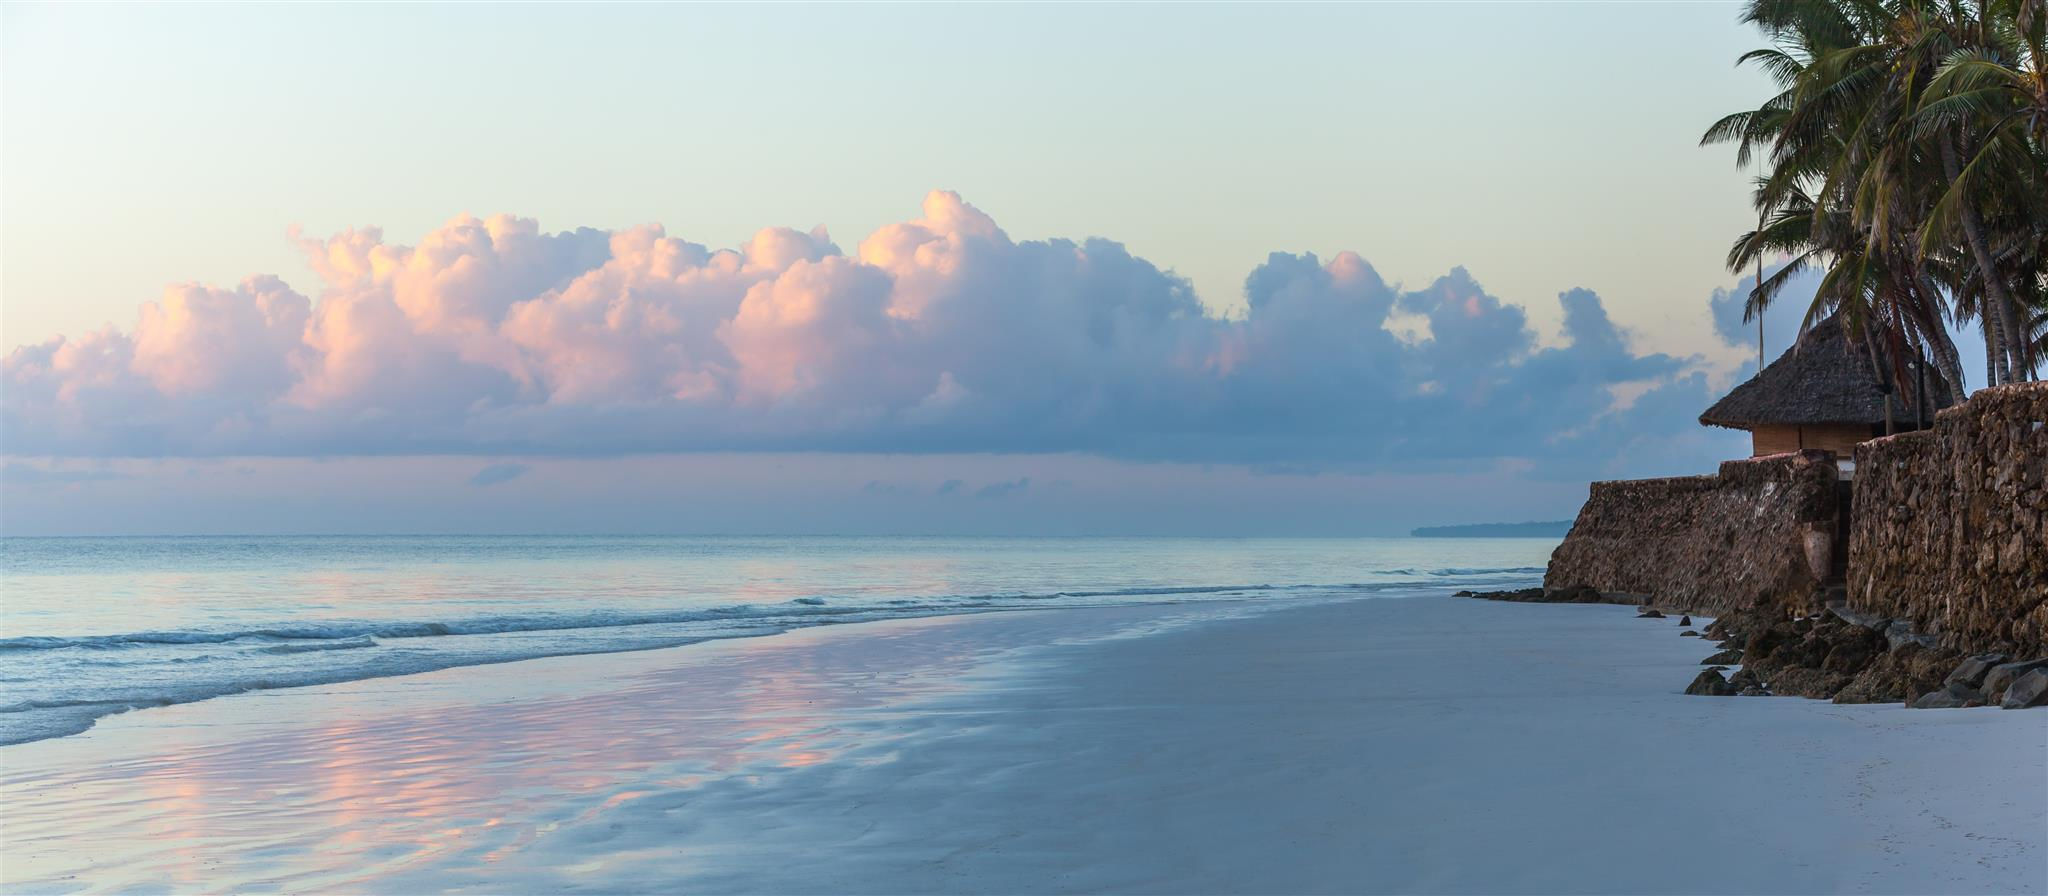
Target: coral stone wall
{"type": "Point", "coordinates": [1949, 528]}
{"type": "Point", "coordinates": [1760, 533]}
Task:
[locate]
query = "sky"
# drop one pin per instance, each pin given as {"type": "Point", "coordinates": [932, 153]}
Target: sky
{"type": "Point", "coordinates": [1030, 268]}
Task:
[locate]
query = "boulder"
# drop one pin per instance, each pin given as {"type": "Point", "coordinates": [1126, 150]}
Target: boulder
{"type": "Point", "coordinates": [1799, 681]}
{"type": "Point", "coordinates": [1745, 677]}
{"type": "Point", "coordinates": [1725, 656]}
{"type": "Point", "coordinates": [1688, 633]}
{"type": "Point", "coordinates": [1752, 692]}
{"type": "Point", "coordinates": [2000, 677]}
{"type": "Point", "coordinates": [1899, 676]}
{"type": "Point", "coordinates": [1710, 684]}
{"type": "Point", "coordinates": [2028, 690]}
{"type": "Point", "coordinates": [1972, 671]}
{"type": "Point", "coordinates": [1648, 613]}
{"type": "Point", "coordinates": [1953, 696]}
{"type": "Point", "coordinates": [1685, 621]}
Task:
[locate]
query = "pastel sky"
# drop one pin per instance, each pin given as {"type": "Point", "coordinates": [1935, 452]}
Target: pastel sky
{"type": "Point", "coordinates": [1208, 269]}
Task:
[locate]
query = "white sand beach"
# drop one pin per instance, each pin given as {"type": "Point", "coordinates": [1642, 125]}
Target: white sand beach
{"type": "Point", "coordinates": [1422, 744]}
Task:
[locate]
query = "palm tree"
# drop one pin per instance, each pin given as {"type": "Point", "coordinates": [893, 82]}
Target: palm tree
{"type": "Point", "coordinates": [1905, 156]}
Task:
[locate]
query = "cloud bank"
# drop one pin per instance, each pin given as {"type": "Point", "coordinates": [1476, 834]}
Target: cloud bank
{"type": "Point", "coordinates": [939, 334]}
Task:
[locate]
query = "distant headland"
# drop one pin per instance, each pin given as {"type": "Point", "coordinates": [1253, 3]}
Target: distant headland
{"type": "Point", "coordinates": [1552, 529]}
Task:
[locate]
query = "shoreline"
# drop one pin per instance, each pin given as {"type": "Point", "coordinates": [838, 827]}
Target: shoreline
{"type": "Point", "coordinates": [1366, 745]}
{"type": "Point", "coordinates": [1837, 654]}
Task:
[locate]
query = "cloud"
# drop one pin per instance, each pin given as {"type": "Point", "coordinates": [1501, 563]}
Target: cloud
{"type": "Point", "coordinates": [497, 473]}
{"type": "Point", "coordinates": [1781, 319]}
{"type": "Point", "coordinates": [16, 473]}
{"type": "Point", "coordinates": [1003, 489]}
{"type": "Point", "coordinates": [936, 335]}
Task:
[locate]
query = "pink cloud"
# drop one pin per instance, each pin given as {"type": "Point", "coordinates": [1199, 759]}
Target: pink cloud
{"type": "Point", "coordinates": [941, 333]}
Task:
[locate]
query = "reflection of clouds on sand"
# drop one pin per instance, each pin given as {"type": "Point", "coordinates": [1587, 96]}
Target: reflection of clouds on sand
{"type": "Point", "coordinates": [341, 787]}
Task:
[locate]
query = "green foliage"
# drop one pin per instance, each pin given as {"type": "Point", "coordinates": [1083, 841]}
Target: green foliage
{"type": "Point", "coordinates": [1906, 155]}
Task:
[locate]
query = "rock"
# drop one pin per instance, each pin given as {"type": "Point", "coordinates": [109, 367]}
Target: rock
{"type": "Point", "coordinates": [1585, 594]}
{"type": "Point", "coordinates": [1710, 684]}
{"type": "Point", "coordinates": [1763, 642]}
{"type": "Point", "coordinates": [1745, 677]}
{"type": "Point", "coordinates": [2026, 691]}
{"type": "Point", "coordinates": [1688, 633]}
{"type": "Point", "coordinates": [1725, 656]}
{"type": "Point", "coordinates": [1576, 594]}
{"type": "Point", "coordinates": [1752, 692]}
{"type": "Point", "coordinates": [1648, 613]}
{"type": "Point", "coordinates": [1972, 671]}
{"type": "Point", "coordinates": [1685, 620]}
{"type": "Point", "coordinates": [1899, 676]}
{"type": "Point", "coordinates": [1525, 595]}
{"type": "Point", "coordinates": [1802, 625]}
{"type": "Point", "coordinates": [1954, 696]}
{"type": "Point", "coordinates": [1841, 610]}
{"type": "Point", "coordinates": [1900, 633]}
{"type": "Point", "coordinates": [1803, 682]}
{"type": "Point", "coordinates": [1852, 649]}
{"type": "Point", "coordinates": [1465, 594]}
{"type": "Point", "coordinates": [2000, 677]}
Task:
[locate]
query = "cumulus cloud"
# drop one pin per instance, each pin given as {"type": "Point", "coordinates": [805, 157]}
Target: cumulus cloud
{"type": "Point", "coordinates": [938, 334]}
{"type": "Point", "coordinates": [1781, 319]}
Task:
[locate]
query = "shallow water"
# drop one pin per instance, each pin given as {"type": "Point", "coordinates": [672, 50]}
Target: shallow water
{"type": "Point", "coordinates": [93, 626]}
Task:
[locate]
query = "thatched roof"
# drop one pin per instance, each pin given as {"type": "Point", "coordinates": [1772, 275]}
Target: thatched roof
{"type": "Point", "coordinates": [1821, 379]}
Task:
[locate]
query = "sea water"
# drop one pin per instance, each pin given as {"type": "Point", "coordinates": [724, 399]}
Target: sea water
{"type": "Point", "coordinates": [93, 626]}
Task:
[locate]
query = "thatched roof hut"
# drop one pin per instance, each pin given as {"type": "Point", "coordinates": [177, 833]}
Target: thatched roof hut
{"type": "Point", "coordinates": [1823, 393]}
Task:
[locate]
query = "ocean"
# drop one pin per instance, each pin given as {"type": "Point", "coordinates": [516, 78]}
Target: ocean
{"type": "Point", "coordinates": [94, 626]}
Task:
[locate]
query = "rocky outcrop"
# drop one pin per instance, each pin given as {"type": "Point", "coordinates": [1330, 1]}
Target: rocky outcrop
{"type": "Point", "coordinates": [1949, 528]}
{"type": "Point", "coordinates": [1749, 537]}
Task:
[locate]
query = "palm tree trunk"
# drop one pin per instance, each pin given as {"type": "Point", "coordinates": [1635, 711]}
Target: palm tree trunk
{"type": "Point", "coordinates": [1943, 348]}
{"type": "Point", "coordinates": [1987, 269]}
{"type": "Point", "coordinates": [1994, 350]}
{"type": "Point", "coordinates": [1884, 377]}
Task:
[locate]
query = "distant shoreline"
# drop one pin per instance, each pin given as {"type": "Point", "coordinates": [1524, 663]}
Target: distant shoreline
{"type": "Point", "coordinates": [1551, 529]}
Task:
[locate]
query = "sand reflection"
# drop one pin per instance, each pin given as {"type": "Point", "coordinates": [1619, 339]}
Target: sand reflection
{"type": "Point", "coordinates": [338, 787]}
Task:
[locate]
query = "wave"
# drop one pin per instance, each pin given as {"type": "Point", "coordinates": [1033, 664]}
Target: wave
{"type": "Point", "coordinates": [342, 644]}
{"type": "Point", "coordinates": [359, 633]}
{"type": "Point", "coordinates": [263, 657]}
{"type": "Point", "coordinates": [354, 631]}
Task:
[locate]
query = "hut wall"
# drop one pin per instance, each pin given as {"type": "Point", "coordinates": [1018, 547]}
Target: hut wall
{"type": "Point", "coordinates": [1760, 532]}
{"type": "Point", "coordinates": [1840, 438]}
{"type": "Point", "coordinates": [1949, 527]}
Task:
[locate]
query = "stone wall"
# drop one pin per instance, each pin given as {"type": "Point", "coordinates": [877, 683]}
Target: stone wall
{"type": "Point", "coordinates": [1759, 533]}
{"type": "Point", "coordinates": [1950, 526]}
